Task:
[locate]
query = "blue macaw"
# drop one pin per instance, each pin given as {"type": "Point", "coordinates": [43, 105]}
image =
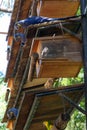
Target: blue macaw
{"type": "Point", "coordinates": [20, 36]}
{"type": "Point", "coordinates": [36, 20]}
{"type": "Point", "coordinates": [12, 113]}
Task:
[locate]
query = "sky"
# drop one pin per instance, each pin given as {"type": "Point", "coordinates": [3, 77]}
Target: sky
{"type": "Point", "coordinates": [4, 24]}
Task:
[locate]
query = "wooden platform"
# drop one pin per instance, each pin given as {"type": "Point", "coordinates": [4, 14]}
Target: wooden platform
{"type": "Point", "coordinates": [44, 105]}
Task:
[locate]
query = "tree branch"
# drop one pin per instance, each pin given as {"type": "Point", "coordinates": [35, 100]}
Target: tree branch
{"type": "Point", "coordinates": [5, 10]}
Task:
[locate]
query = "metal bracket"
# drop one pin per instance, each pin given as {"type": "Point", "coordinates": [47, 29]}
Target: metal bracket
{"type": "Point", "coordinates": [73, 103]}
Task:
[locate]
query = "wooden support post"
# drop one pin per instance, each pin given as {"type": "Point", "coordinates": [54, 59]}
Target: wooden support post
{"type": "Point", "coordinates": [10, 124]}
{"type": "Point", "coordinates": [22, 82]}
{"type": "Point", "coordinates": [84, 38]}
{"type": "Point", "coordinates": [34, 58]}
{"type": "Point", "coordinates": [34, 8]}
{"type": "Point", "coordinates": [17, 61]}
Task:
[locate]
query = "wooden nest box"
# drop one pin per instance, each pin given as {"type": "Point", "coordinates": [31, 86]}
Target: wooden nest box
{"type": "Point", "coordinates": [59, 56]}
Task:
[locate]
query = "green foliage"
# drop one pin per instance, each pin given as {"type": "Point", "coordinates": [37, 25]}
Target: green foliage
{"type": "Point", "coordinates": [47, 124]}
{"type": "Point", "coordinates": [1, 80]}
{"type": "Point", "coordinates": [69, 81]}
{"type": "Point", "coordinates": [77, 121]}
{"type": "Point", "coordinates": [79, 11]}
{"type": "Point", "coordinates": [2, 102]}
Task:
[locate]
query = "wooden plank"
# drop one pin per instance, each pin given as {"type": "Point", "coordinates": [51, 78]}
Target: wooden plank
{"type": "Point", "coordinates": [10, 40]}
{"type": "Point", "coordinates": [58, 69]}
{"type": "Point", "coordinates": [45, 106]}
{"type": "Point", "coordinates": [58, 40]}
{"type": "Point", "coordinates": [35, 82]}
{"type": "Point", "coordinates": [39, 126]}
{"type": "Point", "coordinates": [66, 36]}
{"type": "Point", "coordinates": [24, 111]}
{"type": "Point", "coordinates": [56, 104]}
{"type": "Point", "coordinates": [10, 124]}
{"type": "Point", "coordinates": [12, 60]}
{"type": "Point", "coordinates": [34, 58]}
{"type": "Point", "coordinates": [10, 83]}
{"type": "Point", "coordinates": [49, 115]}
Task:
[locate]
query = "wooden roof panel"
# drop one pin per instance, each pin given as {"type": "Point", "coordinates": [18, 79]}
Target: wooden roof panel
{"type": "Point", "coordinates": [57, 8]}
{"type": "Point", "coordinates": [38, 125]}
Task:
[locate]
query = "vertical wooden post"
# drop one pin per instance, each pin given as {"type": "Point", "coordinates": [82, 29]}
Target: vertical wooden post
{"type": "Point", "coordinates": [33, 60]}
{"type": "Point", "coordinates": [34, 8]}
{"type": "Point", "coordinates": [84, 38]}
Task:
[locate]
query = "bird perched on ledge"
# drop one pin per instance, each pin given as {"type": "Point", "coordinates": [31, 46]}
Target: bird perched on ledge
{"type": "Point", "coordinates": [36, 20]}
{"type": "Point", "coordinates": [49, 83]}
{"type": "Point", "coordinates": [33, 20]}
{"type": "Point", "coordinates": [12, 113]}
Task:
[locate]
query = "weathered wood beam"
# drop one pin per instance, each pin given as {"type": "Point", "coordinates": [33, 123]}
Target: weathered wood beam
{"type": "Point", "coordinates": [34, 8]}
{"type": "Point", "coordinates": [48, 116]}
{"type": "Point", "coordinates": [32, 112]}
{"type": "Point", "coordinates": [35, 82]}
{"type": "Point", "coordinates": [22, 82]}
{"type": "Point", "coordinates": [17, 60]}
{"type": "Point", "coordinates": [34, 58]}
{"type": "Point", "coordinates": [24, 111]}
